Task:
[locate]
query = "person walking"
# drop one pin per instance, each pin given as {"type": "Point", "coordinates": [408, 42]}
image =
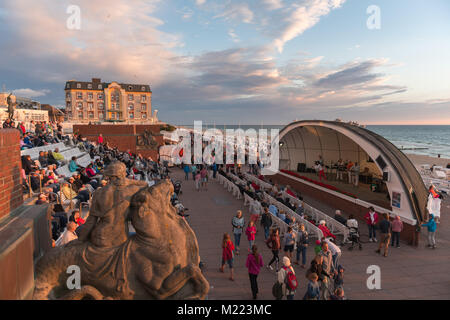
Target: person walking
{"type": "Point", "coordinates": [431, 225]}
{"type": "Point", "coordinates": [186, 170]}
{"type": "Point", "coordinates": [238, 225]}
{"type": "Point", "coordinates": [289, 242]}
{"type": "Point", "coordinates": [254, 263]}
{"type": "Point", "coordinates": [372, 220]}
{"type": "Point", "coordinates": [286, 276]}
{"type": "Point", "coordinates": [274, 244]}
{"type": "Point", "coordinates": [227, 254]}
{"type": "Point", "coordinates": [266, 222]}
{"type": "Point", "coordinates": [250, 232]}
{"type": "Point", "coordinates": [327, 270]}
{"type": "Point", "coordinates": [302, 245]}
{"type": "Point", "coordinates": [197, 180]}
{"type": "Point", "coordinates": [397, 227]}
{"type": "Point", "coordinates": [204, 177]}
{"type": "Point", "coordinates": [385, 230]}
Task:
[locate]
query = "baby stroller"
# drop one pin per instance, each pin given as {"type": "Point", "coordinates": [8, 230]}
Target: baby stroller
{"type": "Point", "coordinates": [354, 238]}
{"type": "Point", "coordinates": [177, 187]}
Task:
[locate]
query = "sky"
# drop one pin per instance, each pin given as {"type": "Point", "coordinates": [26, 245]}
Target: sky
{"type": "Point", "coordinates": [240, 62]}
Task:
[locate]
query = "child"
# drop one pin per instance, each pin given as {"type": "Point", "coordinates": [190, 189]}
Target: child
{"type": "Point", "coordinates": [313, 289]}
{"type": "Point", "coordinates": [197, 181]}
{"type": "Point", "coordinates": [227, 254]}
{"type": "Point", "coordinates": [338, 294]}
{"type": "Point", "coordinates": [339, 278]}
{"type": "Point", "coordinates": [250, 232]}
{"type": "Point", "coordinates": [318, 247]}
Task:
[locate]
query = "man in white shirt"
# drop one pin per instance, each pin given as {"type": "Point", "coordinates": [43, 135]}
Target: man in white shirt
{"type": "Point", "coordinates": [335, 252]}
{"type": "Point", "coordinates": [68, 235]}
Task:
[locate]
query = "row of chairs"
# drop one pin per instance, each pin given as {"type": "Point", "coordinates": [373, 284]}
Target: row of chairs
{"type": "Point", "coordinates": [335, 226]}
{"type": "Point", "coordinates": [34, 152]}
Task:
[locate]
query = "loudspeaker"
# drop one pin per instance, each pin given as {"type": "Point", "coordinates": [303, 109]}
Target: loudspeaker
{"type": "Point", "coordinates": [301, 167]}
{"type": "Point", "coordinates": [386, 176]}
{"type": "Point", "coordinates": [381, 162]}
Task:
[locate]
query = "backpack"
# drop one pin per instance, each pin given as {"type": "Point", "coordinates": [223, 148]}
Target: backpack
{"type": "Point", "coordinates": [277, 290]}
{"type": "Point", "coordinates": [291, 279]}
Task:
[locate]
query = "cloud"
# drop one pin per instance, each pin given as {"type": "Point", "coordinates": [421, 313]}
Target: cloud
{"type": "Point", "coordinates": [234, 37]}
{"type": "Point", "coordinates": [237, 12]}
{"type": "Point", "coordinates": [200, 2]}
{"type": "Point", "coordinates": [303, 17]}
{"type": "Point", "coordinates": [30, 93]}
{"type": "Point", "coordinates": [117, 40]}
{"type": "Point", "coordinates": [273, 4]}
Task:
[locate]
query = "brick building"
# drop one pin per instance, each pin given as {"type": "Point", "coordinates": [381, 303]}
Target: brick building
{"type": "Point", "coordinates": [98, 101]}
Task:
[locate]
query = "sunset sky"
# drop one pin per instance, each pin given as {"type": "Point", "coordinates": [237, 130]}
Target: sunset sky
{"type": "Point", "coordinates": [246, 61]}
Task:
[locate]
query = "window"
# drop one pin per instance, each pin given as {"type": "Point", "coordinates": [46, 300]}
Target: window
{"type": "Point", "coordinates": [99, 96]}
{"type": "Point", "coordinates": [130, 97]}
{"type": "Point", "coordinates": [131, 115]}
{"type": "Point", "coordinates": [79, 95]}
{"type": "Point", "coordinates": [144, 115]}
{"type": "Point", "coordinates": [80, 105]}
{"type": "Point", "coordinates": [90, 106]}
{"type": "Point", "coordinates": [80, 115]}
{"type": "Point", "coordinates": [143, 88]}
{"type": "Point", "coordinates": [130, 88]}
{"type": "Point", "coordinates": [100, 115]}
{"type": "Point", "coordinates": [100, 106]}
{"type": "Point", "coordinates": [78, 85]}
{"type": "Point", "coordinates": [89, 86]}
{"type": "Point", "coordinates": [137, 116]}
{"type": "Point", "coordinates": [90, 96]}
{"type": "Point", "coordinates": [113, 115]}
{"type": "Point", "coordinates": [91, 115]}
{"type": "Point", "coordinates": [99, 86]}
{"type": "Point", "coordinates": [68, 104]}
{"type": "Point", "coordinates": [68, 95]}
{"type": "Point", "coordinates": [143, 98]}
{"type": "Point", "coordinates": [144, 107]}
{"type": "Point", "coordinates": [131, 106]}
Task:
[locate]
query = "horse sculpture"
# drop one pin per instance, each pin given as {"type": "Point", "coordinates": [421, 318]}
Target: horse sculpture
{"type": "Point", "coordinates": [160, 261]}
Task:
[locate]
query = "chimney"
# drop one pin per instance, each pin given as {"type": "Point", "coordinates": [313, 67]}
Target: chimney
{"type": "Point", "coordinates": [96, 80]}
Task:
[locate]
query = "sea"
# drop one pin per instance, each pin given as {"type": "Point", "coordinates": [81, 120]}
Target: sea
{"type": "Point", "coordinates": [430, 140]}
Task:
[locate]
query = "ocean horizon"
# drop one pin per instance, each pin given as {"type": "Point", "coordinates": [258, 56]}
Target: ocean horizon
{"type": "Point", "coordinates": [429, 140]}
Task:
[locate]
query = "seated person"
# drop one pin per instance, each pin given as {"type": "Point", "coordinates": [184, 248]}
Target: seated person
{"type": "Point", "coordinates": [73, 165]}
{"type": "Point", "coordinates": [60, 215]}
{"type": "Point", "coordinates": [326, 232]}
{"type": "Point", "coordinates": [273, 210]}
{"type": "Point", "coordinates": [58, 156]}
{"type": "Point", "coordinates": [43, 160]}
{"type": "Point", "coordinates": [339, 218]}
{"type": "Point", "coordinates": [67, 191]}
{"type": "Point", "coordinates": [90, 172]}
{"type": "Point", "coordinates": [42, 199]}
{"type": "Point", "coordinates": [68, 235]}
{"type": "Point", "coordinates": [75, 217]}
{"type": "Point", "coordinates": [28, 164]}
{"type": "Point", "coordinates": [300, 210]}
{"type": "Point", "coordinates": [282, 215]}
{"type": "Point", "coordinates": [279, 198]}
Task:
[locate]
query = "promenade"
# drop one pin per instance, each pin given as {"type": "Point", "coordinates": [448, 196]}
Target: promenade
{"type": "Point", "coordinates": [407, 273]}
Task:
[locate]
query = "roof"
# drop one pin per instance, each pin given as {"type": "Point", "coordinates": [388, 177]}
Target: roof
{"type": "Point", "coordinates": [97, 85]}
{"type": "Point", "coordinates": [413, 182]}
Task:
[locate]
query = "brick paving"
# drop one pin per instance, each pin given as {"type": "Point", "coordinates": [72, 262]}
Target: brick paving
{"type": "Point", "coordinates": [407, 273]}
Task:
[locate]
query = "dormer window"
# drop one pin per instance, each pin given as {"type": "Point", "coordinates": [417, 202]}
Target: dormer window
{"type": "Point", "coordinates": [130, 88]}
{"type": "Point", "coordinates": [143, 88]}
{"type": "Point", "coordinates": [78, 85]}
{"type": "Point", "coordinates": [99, 86]}
{"type": "Point", "coordinates": [89, 86]}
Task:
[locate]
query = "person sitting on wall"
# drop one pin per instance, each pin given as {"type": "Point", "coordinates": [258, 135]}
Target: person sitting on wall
{"type": "Point", "coordinates": [326, 232]}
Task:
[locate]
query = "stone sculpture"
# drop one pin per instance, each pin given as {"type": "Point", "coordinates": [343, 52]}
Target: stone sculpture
{"type": "Point", "coordinates": [160, 261]}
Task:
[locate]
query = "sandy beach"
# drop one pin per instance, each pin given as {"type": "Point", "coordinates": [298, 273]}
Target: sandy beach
{"type": "Point", "coordinates": [418, 159]}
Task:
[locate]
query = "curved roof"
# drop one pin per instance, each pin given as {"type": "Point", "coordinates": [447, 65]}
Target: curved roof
{"type": "Point", "coordinates": [413, 184]}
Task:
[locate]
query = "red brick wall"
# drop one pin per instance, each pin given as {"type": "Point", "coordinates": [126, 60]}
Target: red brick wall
{"type": "Point", "coordinates": [10, 171]}
{"type": "Point", "coordinates": [121, 136]}
{"type": "Point", "coordinates": [409, 233]}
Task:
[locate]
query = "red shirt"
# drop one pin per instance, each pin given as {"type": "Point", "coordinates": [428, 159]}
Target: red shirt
{"type": "Point", "coordinates": [227, 252]}
{"type": "Point", "coordinates": [100, 139]}
{"type": "Point", "coordinates": [326, 232]}
{"type": "Point", "coordinates": [250, 232]}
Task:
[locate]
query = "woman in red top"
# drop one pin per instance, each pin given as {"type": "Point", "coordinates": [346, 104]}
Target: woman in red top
{"type": "Point", "coordinates": [254, 263]}
{"type": "Point", "coordinates": [227, 254]}
{"type": "Point", "coordinates": [100, 139]}
{"type": "Point", "coordinates": [326, 232]}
